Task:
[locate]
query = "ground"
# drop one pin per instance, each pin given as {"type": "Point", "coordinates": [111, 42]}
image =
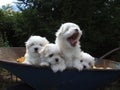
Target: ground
{"type": "Point", "coordinates": [7, 79]}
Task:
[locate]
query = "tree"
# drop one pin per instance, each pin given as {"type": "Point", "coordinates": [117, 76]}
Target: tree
{"type": "Point", "coordinates": [98, 19]}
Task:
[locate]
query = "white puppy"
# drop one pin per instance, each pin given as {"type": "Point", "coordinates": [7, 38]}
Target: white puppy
{"type": "Point", "coordinates": [33, 45]}
{"type": "Point", "coordinates": [87, 60]}
{"type": "Point", "coordinates": [50, 55]}
{"type": "Point", "coordinates": [67, 39]}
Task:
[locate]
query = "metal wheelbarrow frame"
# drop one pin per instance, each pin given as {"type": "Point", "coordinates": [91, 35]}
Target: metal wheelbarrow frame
{"type": "Point", "coordinates": [43, 78]}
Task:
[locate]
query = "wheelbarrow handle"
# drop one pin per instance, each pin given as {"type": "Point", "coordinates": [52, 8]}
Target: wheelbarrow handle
{"type": "Point", "coordinates": [99, 60]}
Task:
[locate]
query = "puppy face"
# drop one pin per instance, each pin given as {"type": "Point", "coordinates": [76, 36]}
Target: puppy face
{"type": "Point", "coordinates": [55, 59]}
{"type": "Point", "coordinates": [69, 32]}
{"type": "Point", "coordinates": [57, 63]}
{"type": "Point", "coordinates": [87, 60]}
{"type": "Point", "coordinates": [52, 56]}
{"type": "Point", "coordinates": [35, 43]}
{"type": "Point", "coordinates": [51, 53]}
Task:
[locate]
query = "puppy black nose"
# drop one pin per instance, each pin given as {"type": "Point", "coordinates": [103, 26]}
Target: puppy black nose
{"type": "Point", "coordinates": [56, 59]}
{"type": "Point", "coordinates": [81, 61]}
{"type": "Point", "coordinates": [84, 67]}
{"type": "Point", "coordinates": [36, 49]}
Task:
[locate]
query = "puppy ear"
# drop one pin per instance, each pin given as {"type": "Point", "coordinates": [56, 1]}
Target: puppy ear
{"type": "Point", "coordinates": [46, 41]}
{"type": "Point", "coordinates": [43, 51]}
{"type": "Point", "coordinates": [80, 32]}
{"type": "Point", "coordinates": [27, 43]}
{"type": "Point", "coordinates": [61, 55]}
{"type": "Point", "coordinates": [59, 30]}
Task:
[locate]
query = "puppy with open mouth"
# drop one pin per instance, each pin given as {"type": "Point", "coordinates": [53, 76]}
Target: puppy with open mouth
{"type": "Point", "coordinates": [33, 45]}
{"type": "Point", "coordinates": [51, 56]}
{"type": "Point", "coordinates": [67, 39]}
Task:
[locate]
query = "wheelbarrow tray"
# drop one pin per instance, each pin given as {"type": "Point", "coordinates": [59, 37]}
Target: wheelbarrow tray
{"type": "Point", "coordinates": [43, 78]}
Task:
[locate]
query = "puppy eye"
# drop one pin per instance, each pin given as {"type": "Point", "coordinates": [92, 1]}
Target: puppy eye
{"type": "Point", "coordinates": [32, 44]}
{"type": "Point", "coordinates": [90, 64]}
{"type": "Point", "coordinates": [50, 55]}
{"type": "Point", "coordinates": [40, 44]}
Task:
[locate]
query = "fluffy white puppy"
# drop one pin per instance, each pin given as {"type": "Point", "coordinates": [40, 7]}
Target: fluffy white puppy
{"type": "Point", "coordinates": [67, 39]}
{"type": "Point", "coordinates": [87, 60]}
{"type": "Point", "coordinates": [50, 55]}
{"type": "Point", "coordinates": [33, 45]}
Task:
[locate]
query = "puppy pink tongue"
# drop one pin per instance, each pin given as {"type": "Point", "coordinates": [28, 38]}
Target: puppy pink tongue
{"type": "Point", "coordinates": [73, 42]}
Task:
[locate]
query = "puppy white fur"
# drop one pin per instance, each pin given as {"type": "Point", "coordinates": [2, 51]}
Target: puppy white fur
{"type": "Point", "coordinates": [50, 55]}
{"type": "Point", "coordinates": [87, 60]}
{"type": "Point", "coordinates": [33, 45]}
{"type": "Point", "coordinates": [67, 39]}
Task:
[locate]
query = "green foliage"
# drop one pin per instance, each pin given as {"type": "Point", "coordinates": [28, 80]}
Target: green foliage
{"type": "Point", "coordinates": [98, 19]}
{"type": "Point", "coordinates": [4, 43]}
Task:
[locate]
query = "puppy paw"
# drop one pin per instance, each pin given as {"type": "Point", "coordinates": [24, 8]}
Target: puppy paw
{"type": "Point", "coordinates": [44, 64]}
{"type": "Point", "coordinates": [78, 65]}
{"type": "Point", "coordinates": [62, 68]}
{"type": "Point", "coordinates": [56, 68]}
{"type": "Point", "coordinates": [26, 62]}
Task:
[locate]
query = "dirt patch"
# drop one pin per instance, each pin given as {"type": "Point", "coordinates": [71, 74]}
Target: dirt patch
{"type": "Point", "coordinates": [7, 79]}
